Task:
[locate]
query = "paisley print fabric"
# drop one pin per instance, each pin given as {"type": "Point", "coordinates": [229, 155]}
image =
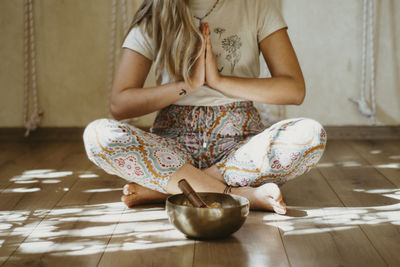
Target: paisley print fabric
{"type": "Point", "coordinates": [282, 152]}
{"type": "Point", "coordinates": [208, 133]}
{"type": "Point", "coordinates": [231, 137]}
{"type": "Point", "coordinates": [135, 155]}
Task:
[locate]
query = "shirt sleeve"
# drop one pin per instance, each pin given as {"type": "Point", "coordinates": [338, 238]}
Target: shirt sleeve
{"type": "Point", "coordinates": [139, 41]}
{"type": "Point", "coordinates": [269, 19]}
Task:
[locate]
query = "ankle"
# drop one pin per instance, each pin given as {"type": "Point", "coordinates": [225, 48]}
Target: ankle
{"type": "Point", "coordinates": [240, 191]}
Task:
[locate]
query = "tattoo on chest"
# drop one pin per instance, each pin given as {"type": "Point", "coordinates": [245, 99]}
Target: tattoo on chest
{"type": "Point", "coordinates": [182, 92]}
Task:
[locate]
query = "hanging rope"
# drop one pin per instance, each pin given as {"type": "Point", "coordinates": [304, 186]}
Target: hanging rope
{"type": "Point", "coordinates": [112, 52]}
{"type": "Point", "coordinates": [279, 4]}
{"type": "Point", "coordinates": [124, 10]}
{"type": "Point", "coordinates": [32, 121]}
{"type": "Point", "coordinates": [113, 41]}
{"type": "Point", "coordinates": [365, 109]}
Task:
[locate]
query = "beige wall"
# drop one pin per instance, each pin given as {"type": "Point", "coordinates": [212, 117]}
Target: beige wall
{"type": "Point", "coordinates": [327, 36]}
{"type": "Point", "coordinates": [73, 59]}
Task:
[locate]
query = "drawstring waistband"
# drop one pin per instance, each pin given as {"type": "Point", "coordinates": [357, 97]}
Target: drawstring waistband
{"type": "Point", "coordinates": [208, 131]}
{"type": "Point", "coordinates": [203, 118]}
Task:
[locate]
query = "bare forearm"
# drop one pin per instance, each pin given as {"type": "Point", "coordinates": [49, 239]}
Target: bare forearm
{"type": "Point", "coordinates": [282, 90]}
{"type": "Point", "coordinates": [134, 102]}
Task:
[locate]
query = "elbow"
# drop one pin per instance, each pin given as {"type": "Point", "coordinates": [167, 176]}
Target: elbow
{"type": "Point", "coordinates": [300, 98]}
{"type": "Point", "coordinates": [120, 109]}
{"type": "Point", "coordinates": [300, 94]}
{"type": "Point", "coordinates": [115, 110]}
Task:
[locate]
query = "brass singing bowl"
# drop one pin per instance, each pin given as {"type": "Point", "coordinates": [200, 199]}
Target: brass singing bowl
{"type": "Point", "coordinates": [208, 223]}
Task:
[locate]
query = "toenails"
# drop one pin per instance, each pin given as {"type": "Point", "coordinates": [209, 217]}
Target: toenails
{"type": "Point", "coordinates": [280, 209]}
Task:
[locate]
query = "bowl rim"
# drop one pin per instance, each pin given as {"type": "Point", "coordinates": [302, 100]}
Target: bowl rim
{"type": "Point", "coordinates": [247, 202]}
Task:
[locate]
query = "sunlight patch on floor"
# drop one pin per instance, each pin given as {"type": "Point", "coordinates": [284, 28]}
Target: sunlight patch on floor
{"type": "Point", "coordinates": [99, 190]}
{"type": "Point", "coordinates": [88, 175]}
{"type": "Point", "coordinates": [84, 230]}
{"type": "Point", "coordinates": [341, 164]}
{"type": "Point", "coordinates": [142, 246]}
{"type": "Point", "coordinates": [391, 193]}
{"type": "Point", "coordinates": [21, 190]}
{"type": "Point", "coordinates": [348, 164]}
{"type": "Point", "coordinates": [40, 174]}
{"type": "Point", "coordinates": [388, 166]}
{"type": "Point", "coordinates": [325, 219]}
{"type": "Point", "coordinates": [376, 151]}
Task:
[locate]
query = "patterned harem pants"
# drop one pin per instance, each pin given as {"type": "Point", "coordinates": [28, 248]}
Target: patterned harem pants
{"type": "Point", "coordinates": [230, 137]}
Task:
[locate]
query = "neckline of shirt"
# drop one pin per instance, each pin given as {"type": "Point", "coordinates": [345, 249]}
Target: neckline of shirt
{"type": "Point", "coordinates": [201, 7]}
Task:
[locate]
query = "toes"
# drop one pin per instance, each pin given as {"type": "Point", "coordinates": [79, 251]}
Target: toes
{"type": "Point", "coordinates": [279, 207]}
{"type": "Point", "coordinates": [280, 210]}
{"type": "Point", "coordinates": [128, 189]}
{"type": "Point", "coordinates": [128, 200]}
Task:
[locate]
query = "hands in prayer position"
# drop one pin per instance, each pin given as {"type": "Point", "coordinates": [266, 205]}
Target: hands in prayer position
{"type": "Point", "coordinates": [205, 70]}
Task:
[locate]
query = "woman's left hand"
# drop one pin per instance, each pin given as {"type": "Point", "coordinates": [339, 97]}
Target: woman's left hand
{"type": "Point", "coordinates": [212, 75]}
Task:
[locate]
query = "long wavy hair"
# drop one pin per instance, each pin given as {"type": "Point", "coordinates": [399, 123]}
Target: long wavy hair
{"type": "Point", "coordinates": [176, 39]}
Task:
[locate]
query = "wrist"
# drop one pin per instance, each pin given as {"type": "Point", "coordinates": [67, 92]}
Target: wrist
{"type": "Point", "coordinates": [193, 87]}
{"type": "Point", "coordinates": [217, 82]}
{"type": "Point", "coordinates": [184, 88]}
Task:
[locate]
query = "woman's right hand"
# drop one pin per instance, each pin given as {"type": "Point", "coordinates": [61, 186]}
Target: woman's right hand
{"type": "Point", "coordinates": [199, 68]}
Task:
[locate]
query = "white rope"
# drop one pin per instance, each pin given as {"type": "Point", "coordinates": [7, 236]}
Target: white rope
{"type": "Point", "coordinates": [364, 108]}
{"type": "Point", "coordinates": [372, 55]}
{"type": "Point", "coordinates": [30, 122]}
{"type": "Point", "coordinates": [115, 13]}
{"type": "Point", "coordinates": [279, 4]}
{"type": "Point", "coordinates": [26, 60]}
{"type": "Point", "coordinates": [112, 52]}
{"type": "Point", "coordinates": [124, 15]}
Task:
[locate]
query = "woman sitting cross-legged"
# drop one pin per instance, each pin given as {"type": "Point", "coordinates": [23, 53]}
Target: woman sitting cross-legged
{"type": "Point", "coordinates": [206, 56]}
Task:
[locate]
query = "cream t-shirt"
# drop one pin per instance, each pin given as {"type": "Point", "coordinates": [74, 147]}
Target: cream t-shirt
{"type": "Point", "coordinates": [237, 27]}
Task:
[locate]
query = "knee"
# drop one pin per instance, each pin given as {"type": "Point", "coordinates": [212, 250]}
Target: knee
{"type": "Point", "coordinates": [91, 135]}
{"type": "Point", "coordinates": [312, 130]}
{"type": "Point", "coordinates": [318, 131]}
{"type": "Point", "coordinates": [107, 135]}
{"type": "Point", "coordinates": [101, 134]}
{"type": "Point", "coordinates": [94, 129]}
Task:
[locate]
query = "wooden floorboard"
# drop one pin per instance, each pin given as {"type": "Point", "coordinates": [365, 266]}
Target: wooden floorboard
{"type": "Point", "coordinates": [22, 158]}
{"type": "Point", "coordinates": [58, 209]}
{"type": "Point", "coordinates": [36, 190]}
{"type": "Point", "coordinates": [255, 244]}
{"type": "Point", "coordinates": [384, 156]}
{"type": "Point", "coordinates": [144, 237]}
{"type": "Point", "coordinates": [364, 191]}
{"type": "Point", "coordinates": [308, 233]}
{"type": "Point", "coordinates": [10, 151]}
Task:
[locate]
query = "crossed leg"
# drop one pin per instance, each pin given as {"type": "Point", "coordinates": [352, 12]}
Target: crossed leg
{"type": "Point", "coordinates": [264, 197]}
{"type": "Point", "coordinates": [283, 151]}
{"type": "Point", "coordinates": [135, 194]}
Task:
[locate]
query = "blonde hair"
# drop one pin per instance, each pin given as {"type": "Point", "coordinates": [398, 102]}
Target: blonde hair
{"type": "Point", "coordinates": [176, 39]}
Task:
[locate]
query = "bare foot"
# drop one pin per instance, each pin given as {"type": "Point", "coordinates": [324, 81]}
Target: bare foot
{"type": "Point", "coordinates": [134, 194]}
{"type": "Point", "coordinates": [265, 197]}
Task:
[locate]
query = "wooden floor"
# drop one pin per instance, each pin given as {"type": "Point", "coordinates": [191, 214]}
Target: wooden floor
{"type": "Point", "coordinates": [58, 209]}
